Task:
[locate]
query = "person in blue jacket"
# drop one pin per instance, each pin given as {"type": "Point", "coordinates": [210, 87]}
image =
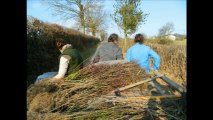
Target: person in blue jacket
{"type": "Point", "coordinates": [141, 54]}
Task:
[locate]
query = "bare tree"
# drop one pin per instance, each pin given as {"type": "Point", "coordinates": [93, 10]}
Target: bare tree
{"type": "Point", "coordinates": [95, 19]}
{"type": "Point", "coordinates": [71, 9]}
{"type": "Point", "coordinates": [103, 35]}
{"type": "Point", "coordinates": [166, 29]}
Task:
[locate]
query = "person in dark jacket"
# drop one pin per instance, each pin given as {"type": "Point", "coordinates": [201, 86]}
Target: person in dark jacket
{"type": "Point", "coordinates": [70, 61]}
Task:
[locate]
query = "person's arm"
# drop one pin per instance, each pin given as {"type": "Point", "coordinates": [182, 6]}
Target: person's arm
{"type": "Point", "coordinates": [96, 56]}
{"type": "Point", "coordinates": [128, 55]}
{"type": "Point", "coordinates": [155, 58]}
{"type": "Point", "coordinates": [119, 55]}
{"type": "Point", "coordinates": [63, 65]}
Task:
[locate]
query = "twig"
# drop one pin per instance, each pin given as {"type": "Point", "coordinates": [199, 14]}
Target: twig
{"type": "Point", "coordinates": [168, 113]}
{"type": "Point", "coordinates": [150, 113]}
{"type": "Point", "coordinates": [59, 107]}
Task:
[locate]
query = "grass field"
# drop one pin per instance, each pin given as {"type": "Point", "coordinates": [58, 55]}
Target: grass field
{"type": "Point", "coordinates": [180, 42]}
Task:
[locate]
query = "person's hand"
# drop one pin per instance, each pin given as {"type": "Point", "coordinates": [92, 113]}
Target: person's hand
{"type": "Point", "coordinates": [157, 73]}
{"type": "Point", "coordinates": [151, 73]}
{"type": "Point", "coordinates": [56, 78]}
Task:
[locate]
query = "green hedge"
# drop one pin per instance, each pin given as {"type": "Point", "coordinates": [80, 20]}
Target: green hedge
{"type": "Point", "coordinates": [42, 54]}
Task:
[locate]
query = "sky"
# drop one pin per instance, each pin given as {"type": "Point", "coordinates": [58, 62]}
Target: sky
{"type": "Point", "coordinates": [160, 12]}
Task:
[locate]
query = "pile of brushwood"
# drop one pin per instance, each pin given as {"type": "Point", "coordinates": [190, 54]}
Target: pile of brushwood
{"type": "Point", "coordinates": [88, 94]}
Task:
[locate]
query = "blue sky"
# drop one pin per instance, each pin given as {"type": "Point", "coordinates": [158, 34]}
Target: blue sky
{"type": "Point", "coordinates": [160, 12]}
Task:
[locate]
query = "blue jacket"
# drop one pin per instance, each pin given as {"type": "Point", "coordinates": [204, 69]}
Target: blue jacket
{"type": "Point", "coordinates": [141, 53]}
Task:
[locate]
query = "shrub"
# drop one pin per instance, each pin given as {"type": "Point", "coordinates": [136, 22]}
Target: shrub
{"type": "Point", "coordinates": [164, 41]}
{"type": "Point", "coordinates": [42, 54]}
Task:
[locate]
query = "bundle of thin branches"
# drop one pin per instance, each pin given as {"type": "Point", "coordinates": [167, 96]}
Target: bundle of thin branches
{"type": "Point", "coordinates": [46, 116]}
{"type": "Point", "coordinates": [83, 94]}
{"type": "Point", "coordinates": [95, 81]}
{"type": "Point", "coordinates": [92, 81]}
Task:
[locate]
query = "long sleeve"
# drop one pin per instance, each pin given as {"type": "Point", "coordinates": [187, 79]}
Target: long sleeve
{"type": "Point", "coordinates": [119, 55]}
{"type": "Point", "coordinates": [64, 61]}
{"type": "Point", "coordinates": [128, 57]}
{"type": "Point", "coordinates": [96, 56]}
{"type": "Point", "coordinates": [155, 58]}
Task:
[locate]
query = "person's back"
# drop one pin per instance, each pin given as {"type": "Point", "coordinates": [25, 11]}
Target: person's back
{"type": "Point", "coordinates": [108, 51]}
{"type": "Point", "coordinates": [141, 54]}
{"type": "Point", "coordinates": [70, 61]}
{"type": "Point", "coordinates": [76, 61]}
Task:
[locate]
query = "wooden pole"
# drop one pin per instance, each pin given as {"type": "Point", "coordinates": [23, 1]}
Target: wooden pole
{"type": "Point", "coordinates": [154, 97]}
{"type": "Point", "coordinates": [158, 87]}
{"type": "Point", "coordinates": [173, 84]}
{"type": "Point", "coordinates": [136, 84]}
{"type": "Point", "coordinates": [142, 98]}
